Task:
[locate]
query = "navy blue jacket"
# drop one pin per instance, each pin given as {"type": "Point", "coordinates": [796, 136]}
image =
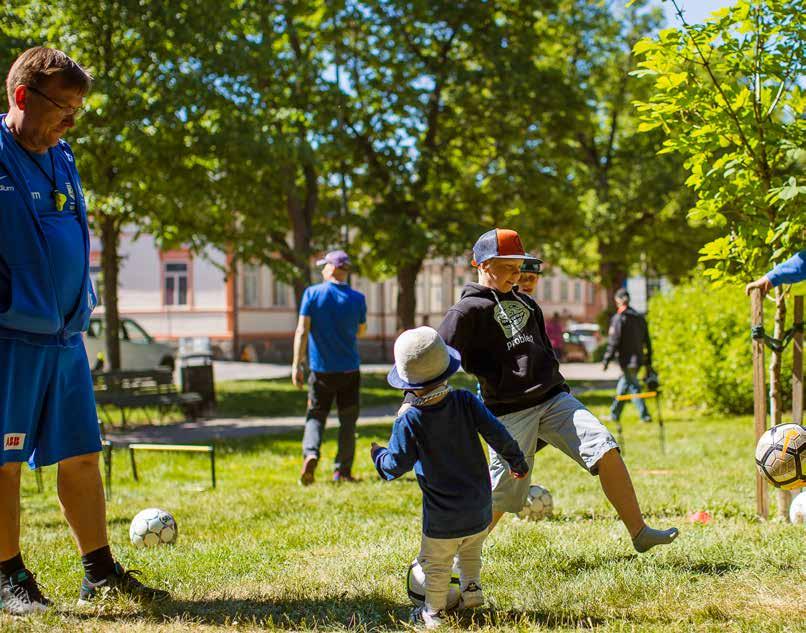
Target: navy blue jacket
{"type": "Point", "coordinates": [441, 443]}
{"type": "Point", "coordinates": [32, 312]}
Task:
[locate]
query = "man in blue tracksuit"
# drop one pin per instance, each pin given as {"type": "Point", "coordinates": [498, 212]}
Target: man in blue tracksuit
{"type": "Point", "coordinates": [791, 271]}
{"type": "Point", "coordinates": [47, 408]}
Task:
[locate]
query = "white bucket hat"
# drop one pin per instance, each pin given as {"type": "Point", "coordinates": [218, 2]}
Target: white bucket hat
{"type": "Point", "coordinates": [421, 359]}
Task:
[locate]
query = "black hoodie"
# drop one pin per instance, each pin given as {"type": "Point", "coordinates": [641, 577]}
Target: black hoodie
{"type": "Point", "coordinates": [503, 341]}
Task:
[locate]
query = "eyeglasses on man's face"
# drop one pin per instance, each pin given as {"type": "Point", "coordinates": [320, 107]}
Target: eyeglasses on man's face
{"type": "Point", "coordinates": [65, 110]}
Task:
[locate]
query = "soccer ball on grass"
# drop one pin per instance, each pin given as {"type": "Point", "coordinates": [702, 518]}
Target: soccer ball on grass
{"type": "Point", "coordinates": [153, 527]}
{"type": "Point", "coordinates": [797, 511]}
{"type": "Point", "coordinates": [539, 504]}
{"type": "Point", "coordinates": [781, 456]}
{"type": "Point", "coordinates": [415, 585]}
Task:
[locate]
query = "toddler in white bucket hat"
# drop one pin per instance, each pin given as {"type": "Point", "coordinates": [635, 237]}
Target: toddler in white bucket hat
{"type": "Point", "coordinates": [438, 437]}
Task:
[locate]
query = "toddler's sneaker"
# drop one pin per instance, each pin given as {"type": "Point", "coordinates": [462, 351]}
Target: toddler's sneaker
{"type": "Point", "coordinates": [427, 619]}
{"type": "Point", "coordinates": [472, 596]}
{"type": "Point", "coordinates": [20, 594]}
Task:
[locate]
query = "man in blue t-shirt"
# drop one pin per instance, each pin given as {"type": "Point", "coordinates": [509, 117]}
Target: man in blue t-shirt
{"type": "Point", "coordinates": [331, 317]}
{"type": "Point", "coordinates": [47, 406]}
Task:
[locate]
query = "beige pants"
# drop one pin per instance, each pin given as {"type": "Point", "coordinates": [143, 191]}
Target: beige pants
{"type": "Point", "coordinates": [436, 558]}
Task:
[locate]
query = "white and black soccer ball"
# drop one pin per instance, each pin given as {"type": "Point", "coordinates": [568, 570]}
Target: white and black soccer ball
{"type": "Point", "coordinates": [415, 585]}
{"type": "Point", "coordinates": [539, 504]}
{"type": "Point", "coordinates": [153, 527]}
{"type": "Point", "coordinates": [797, 511]}
{"type": "Point", "coordinates": [781, 456]}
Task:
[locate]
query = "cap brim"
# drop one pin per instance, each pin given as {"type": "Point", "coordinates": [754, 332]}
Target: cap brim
{"type": "Point", "coordinates": [321, 262]}
{"type": "Point", "coordinates": [525, 256]}
{"type": "Point", "coordinates": [454, 363]}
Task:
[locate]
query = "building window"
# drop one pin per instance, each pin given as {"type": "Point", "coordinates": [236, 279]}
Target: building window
{"type": "Point", "coordinates": [577, 292]}
{"type": "Point", "coordinates": [251, 285]}
{"type": "Point", "coordinates": [548, 286]}
{"type": "Point", "coordinates": [176, 284]}
{"type": "Point", "coordinates": [563, 290]}
{"type": "Point", "coordinates": [96, 276]}
{"type": "Point", "coordinates": [591, 293]}
{"type": "Point", "coordinates": [279, 293]}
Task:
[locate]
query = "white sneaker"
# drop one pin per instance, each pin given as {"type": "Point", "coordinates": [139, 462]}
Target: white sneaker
{"type": "Point", "coordinates": [426, 618]}
{"type": "Point", "coordinates": [472, 597]}
{"type": "Point", "coordinates": [20, 595]}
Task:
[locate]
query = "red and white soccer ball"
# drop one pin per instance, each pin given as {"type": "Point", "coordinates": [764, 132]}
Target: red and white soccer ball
{"type": "Point", "coordinates": [153, 527]}
{"type": "Point", "coordinates": [539, 504]}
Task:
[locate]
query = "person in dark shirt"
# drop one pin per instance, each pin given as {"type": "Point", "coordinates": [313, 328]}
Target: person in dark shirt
{"type": "Point", "coordinates": [628, 340]}
{"type": "Point", "coordinates": [437, 435]}
{"type": "Point", "coordinates": [501, 336]}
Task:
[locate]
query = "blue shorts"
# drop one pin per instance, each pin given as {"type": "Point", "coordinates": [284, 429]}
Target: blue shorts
{"type": "Point", "coordinates": [47, 404]}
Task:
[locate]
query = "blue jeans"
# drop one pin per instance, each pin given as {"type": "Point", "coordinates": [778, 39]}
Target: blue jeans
{"type": "Point", "coordinates": [628, 383]}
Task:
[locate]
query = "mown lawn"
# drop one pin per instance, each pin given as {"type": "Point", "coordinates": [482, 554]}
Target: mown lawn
{"type": "Point", "coordinates": [262, 553]}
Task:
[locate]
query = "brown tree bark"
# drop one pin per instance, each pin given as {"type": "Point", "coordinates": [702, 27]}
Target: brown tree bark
{"type": "Point", "coordinates": [407, 295]}
{"type": "Point", "coordinates": [110, 262]}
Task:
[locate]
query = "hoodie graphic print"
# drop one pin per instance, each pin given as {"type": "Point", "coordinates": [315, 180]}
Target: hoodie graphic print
{"type": "Point", "coordinates": [503, 341]}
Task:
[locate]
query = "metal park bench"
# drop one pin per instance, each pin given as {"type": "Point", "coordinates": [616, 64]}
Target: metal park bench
{"type": "Point", "coordinates": [146, 390]}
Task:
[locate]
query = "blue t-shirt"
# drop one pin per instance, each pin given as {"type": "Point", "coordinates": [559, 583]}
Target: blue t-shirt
{"type": "Point", "coordinates": [441, 443]}
{"type": "Point", "coordinates": [336, 311]}
{"type": "Point", "coordinates": [62, 229]}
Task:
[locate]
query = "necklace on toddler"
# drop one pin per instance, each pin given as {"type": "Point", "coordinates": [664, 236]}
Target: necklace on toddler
{"type": "Point", "coordinates": [433, 395]}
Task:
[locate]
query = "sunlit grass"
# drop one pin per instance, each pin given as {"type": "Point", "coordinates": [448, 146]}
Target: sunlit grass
{"type": "Point", "coordinates": [262, 553]}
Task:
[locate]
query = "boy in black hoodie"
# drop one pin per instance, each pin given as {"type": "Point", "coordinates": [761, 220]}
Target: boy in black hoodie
{"type": "Point", "coordinates": [501, 336]}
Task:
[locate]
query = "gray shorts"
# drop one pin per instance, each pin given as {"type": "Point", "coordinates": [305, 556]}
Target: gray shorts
{"type": "Point", "coordinates": [563, 422]}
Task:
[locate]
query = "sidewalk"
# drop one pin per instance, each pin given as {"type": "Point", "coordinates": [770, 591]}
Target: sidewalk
{"type": "Point", "coordinates": [208, 430]}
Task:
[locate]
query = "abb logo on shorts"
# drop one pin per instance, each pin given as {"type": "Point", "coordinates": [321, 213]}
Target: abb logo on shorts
{"type": "Point", "coordinates": [13, 441]}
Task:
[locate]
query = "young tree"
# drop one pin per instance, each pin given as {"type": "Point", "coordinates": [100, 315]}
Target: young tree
{"type": "Point", "coordinates": [728, 95]}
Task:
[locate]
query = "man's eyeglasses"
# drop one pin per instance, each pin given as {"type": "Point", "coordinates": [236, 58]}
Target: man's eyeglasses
{"type": "Point", "coordinates": [66, 110]}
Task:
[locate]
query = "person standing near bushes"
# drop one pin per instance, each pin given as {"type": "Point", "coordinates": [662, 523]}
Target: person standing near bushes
{"type": "Point", "coordinates": [628, 339]}
{"type": "Point", "coordinates": [331, 318]}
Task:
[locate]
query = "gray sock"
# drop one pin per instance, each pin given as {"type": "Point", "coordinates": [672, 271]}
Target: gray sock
{"type": "Point", "coordinates": [649, 537]}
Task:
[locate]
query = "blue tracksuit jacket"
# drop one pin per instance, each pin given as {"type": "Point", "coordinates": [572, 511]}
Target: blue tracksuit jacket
{"type": "Point", "coordinates": [32, 312]}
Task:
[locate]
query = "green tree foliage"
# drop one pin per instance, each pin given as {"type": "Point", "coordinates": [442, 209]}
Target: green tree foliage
{"type": "Point", "coordinates": [728, 95]}
{"type": "Point", "coordinates": [623, 201]}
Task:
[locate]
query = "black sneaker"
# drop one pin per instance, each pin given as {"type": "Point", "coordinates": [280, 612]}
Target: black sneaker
{"type": "Point", "coordinates": [120, 581]}
{"type": "Point", "coordinates": [20, 594]}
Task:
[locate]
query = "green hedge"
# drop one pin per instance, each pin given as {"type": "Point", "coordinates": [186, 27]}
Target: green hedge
{"type": "Point", "coordinates": [702, 347]}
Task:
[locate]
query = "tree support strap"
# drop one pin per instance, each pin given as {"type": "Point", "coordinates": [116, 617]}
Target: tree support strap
{"type": "Point", "coordinates": [776, 345]}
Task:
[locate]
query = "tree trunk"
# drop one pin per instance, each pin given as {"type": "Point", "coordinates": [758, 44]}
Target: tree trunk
{"type": "Point", "coordinates": [407, 295]}
{"type": "Point", "coordinates": [110, 240]}
{"type": "Point", "coordinates": [613, 277]}
{"type": "Point", "coordinates": [776, 392]}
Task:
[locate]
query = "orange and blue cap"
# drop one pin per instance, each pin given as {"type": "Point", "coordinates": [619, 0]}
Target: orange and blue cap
{"type": "Point", "coordinates": [500, 243]}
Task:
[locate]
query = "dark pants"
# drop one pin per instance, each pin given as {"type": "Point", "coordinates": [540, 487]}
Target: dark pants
{"type": "Point", "coordinates": [322, 389]}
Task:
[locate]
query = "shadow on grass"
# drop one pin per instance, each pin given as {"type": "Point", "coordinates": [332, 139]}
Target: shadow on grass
{"type": "Point", "coordinates": [371, 612]}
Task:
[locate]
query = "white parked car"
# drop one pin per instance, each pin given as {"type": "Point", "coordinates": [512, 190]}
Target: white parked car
{"type": "Point", "coordinates": [138, 350]}
{"type": "Point", "coordinates": [586, 333]}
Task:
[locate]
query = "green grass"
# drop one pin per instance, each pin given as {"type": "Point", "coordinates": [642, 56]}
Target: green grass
{"type": "Point", "coordinates": [262, 553]}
